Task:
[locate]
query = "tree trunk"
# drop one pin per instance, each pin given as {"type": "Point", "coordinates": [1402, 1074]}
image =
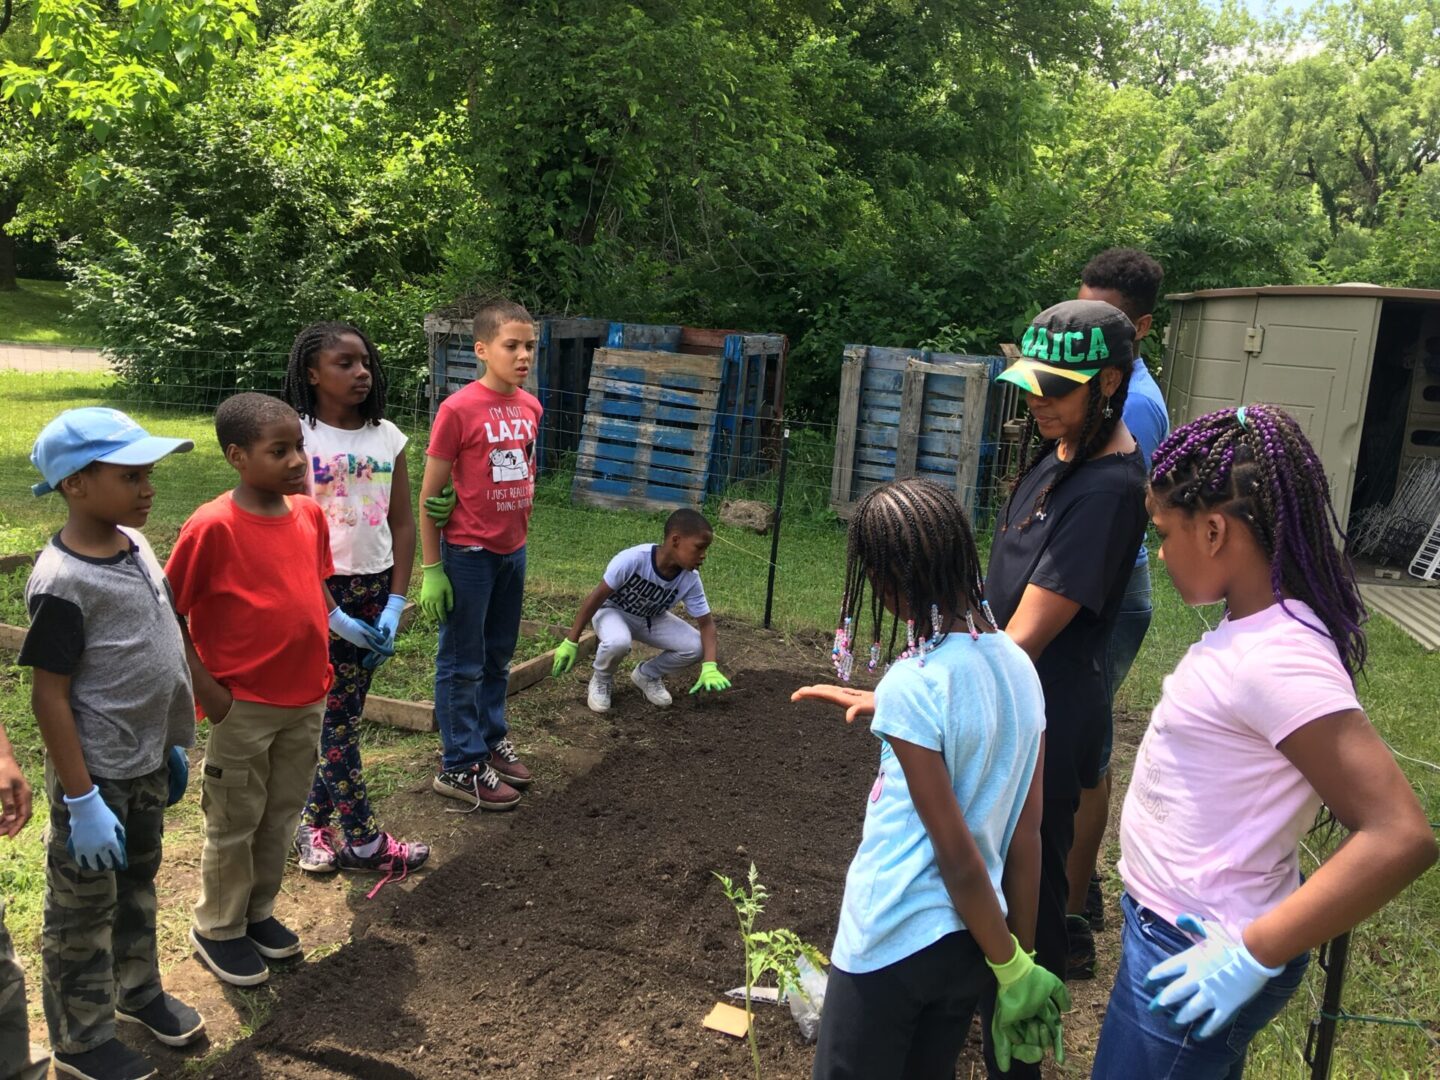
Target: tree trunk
{"type": "Point", "coordinates": [9, 204]}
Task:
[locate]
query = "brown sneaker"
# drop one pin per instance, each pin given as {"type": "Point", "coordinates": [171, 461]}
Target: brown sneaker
{"type": "Point", "coordinates": [479, 785]}
{"type": "Point", "coordinates": [505, 761]}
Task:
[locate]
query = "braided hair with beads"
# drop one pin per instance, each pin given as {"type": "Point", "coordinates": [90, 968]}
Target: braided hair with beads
{"type": "Point", "coordinates": [1255, 465]}
{"type": "Point", "coordinates": [297, 388]}
{"type": "Point", "coordinates": [1094, 435]}
{"type": "Point", "coordinates": [910, 542]}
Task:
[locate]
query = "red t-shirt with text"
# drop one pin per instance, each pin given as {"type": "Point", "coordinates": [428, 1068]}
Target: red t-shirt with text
{"type": "Point", "coordinates": [489, 440]}
{"type": "Point", "coordinates": [252, 588]}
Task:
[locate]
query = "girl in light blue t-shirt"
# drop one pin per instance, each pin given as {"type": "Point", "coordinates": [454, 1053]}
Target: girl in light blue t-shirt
{"type": "Point", "coordinates": [940, 900]}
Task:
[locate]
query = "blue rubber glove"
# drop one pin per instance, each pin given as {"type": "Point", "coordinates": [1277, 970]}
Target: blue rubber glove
{"type": "Point", "coordinates": [97, 839]}
{"type": "Point", "coordinates": [179, 774]}
{"type": "Point", "coordinates": [1217, 975]}
{"type": "Point", "coordinates": [359, 633]}
{"type": "Point", "coordinates": [389, 621]}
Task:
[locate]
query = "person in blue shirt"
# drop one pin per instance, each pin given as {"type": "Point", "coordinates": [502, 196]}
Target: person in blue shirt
{"type": "Point", "coordinates": [1129, 280]}
{"type": "Point", "coordinates": [939, 909]}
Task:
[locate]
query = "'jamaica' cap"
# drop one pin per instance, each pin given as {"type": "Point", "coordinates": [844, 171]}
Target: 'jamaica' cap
{"type": "Point", "coordinates": [1068, 344]}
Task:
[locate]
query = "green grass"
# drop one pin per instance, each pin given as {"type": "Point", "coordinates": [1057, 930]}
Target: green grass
{"type": "Point", "coordinates": [1395, 960]}
{"type": "Point", "coordinates": [40, 312]}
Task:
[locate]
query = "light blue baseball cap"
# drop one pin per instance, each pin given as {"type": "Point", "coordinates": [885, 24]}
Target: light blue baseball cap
{"type": "Point", "coordinates": [79, 437]}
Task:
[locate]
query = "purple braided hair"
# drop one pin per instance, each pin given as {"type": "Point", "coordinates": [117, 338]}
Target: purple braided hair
{"type": "Point", "coordinates": [1256, 466]}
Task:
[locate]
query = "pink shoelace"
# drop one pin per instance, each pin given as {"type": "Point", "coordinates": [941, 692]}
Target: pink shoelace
{"type": "Point", "coordinates": [320, 840]}
{"type": "Point", "coordinates": [395, 854]}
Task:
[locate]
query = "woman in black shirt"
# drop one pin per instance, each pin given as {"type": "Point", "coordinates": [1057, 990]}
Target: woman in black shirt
{"type": "Point", "coordinates": [1064, 544]}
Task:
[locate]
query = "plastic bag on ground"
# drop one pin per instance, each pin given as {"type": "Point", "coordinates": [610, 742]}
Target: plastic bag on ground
{"type": "Point", "coordinates": [808, 998]}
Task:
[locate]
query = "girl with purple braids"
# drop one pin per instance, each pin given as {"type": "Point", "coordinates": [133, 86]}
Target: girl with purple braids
{"type": "Point", "coordinates": [1257, 726]}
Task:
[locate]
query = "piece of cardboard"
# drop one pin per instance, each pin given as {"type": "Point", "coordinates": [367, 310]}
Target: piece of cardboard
{"type": "Point", "coordinates": [729, 1020]}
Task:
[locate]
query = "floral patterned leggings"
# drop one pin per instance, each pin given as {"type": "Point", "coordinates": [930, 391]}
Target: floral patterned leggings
{"type": "Point", "coordinates": [339, 787]}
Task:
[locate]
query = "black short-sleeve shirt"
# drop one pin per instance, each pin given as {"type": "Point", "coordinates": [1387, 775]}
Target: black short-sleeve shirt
{"type": "Point", "coordinates": [1083, 549]}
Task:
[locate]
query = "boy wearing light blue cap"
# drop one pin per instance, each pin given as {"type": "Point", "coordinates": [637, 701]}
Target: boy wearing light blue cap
{"type": "Point", "coordinates": [112, 697]}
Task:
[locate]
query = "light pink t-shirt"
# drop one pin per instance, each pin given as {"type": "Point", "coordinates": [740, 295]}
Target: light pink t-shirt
{"type": "Point", "coordinates": [1214, 816]}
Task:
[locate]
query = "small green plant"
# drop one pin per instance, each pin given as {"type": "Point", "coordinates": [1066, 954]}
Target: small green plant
{"type": "Point", "coordinates": [766, 951]}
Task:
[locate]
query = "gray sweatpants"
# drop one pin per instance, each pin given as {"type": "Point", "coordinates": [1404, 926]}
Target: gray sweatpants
{"type": "Point", "coordinates": [617, 630]}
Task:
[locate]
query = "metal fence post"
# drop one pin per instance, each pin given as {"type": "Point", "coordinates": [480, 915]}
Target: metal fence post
{"type": "Point", "coordinates": [1320, 1045]}
{"type": "Point", "coordinates": [775, 525]}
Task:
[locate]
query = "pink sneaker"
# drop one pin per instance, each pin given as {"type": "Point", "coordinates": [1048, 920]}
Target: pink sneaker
{"type": "Point", "coordinates": [312, 845]}
{"type": "Point", "coordinates": [392, 857]}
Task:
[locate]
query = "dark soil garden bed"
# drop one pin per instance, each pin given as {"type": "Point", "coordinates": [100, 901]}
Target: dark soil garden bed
{"type": "Point", "coordinates": [590, 937]}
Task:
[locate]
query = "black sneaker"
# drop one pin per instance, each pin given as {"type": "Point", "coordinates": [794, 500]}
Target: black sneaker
{"type": "Point", "coordinates": [1095, 905]}
{"type": "Point", "coordinates": [167, 1018]}
{"type": "Point", "coordinates": [273, 939]}
{"type": "Point", "coordinates": [1081, 963]}
{"type": "Point", "coordinates": [479, 785]}
{"type": "Point", "coordinates": [111, 1060]}
{"type": "Point", "coordinates": [234, 961]}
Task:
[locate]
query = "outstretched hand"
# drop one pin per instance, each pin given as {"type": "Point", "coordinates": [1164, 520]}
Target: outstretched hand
{"type": "Point", "coordinates": [856, 703]}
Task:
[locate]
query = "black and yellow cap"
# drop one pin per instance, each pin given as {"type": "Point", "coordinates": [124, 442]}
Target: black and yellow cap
{"type": "Point", "coordinates": [1067, 345]}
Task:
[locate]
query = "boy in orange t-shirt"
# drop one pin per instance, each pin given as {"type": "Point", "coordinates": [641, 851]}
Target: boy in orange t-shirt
{"type": "Point", "coordinates": [248, 572]}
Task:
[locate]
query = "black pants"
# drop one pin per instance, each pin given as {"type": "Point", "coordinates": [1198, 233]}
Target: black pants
{"type": "Point", "coordinates": [907, 1021]}
{"type": "Point", "coordinates": [1052, 945]}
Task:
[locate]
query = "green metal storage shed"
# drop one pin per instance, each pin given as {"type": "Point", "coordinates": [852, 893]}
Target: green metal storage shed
{"type": "Point", "coordinates": [1357, 365]}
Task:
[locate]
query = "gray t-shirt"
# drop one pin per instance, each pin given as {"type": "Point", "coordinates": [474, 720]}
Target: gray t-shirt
{"type": "Point", "coordinates": [110, 625]}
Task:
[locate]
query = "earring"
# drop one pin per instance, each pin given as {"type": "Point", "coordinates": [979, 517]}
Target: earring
{"type": "Point", "coordinates": [1109, 412]}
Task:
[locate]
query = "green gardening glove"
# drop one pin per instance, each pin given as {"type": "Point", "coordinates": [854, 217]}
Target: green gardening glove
{"type": "Point", "coordinates": [436, 595]}
{"type": "Point", "coordinates": [710, 678]}
{"type": "Point", "coordinates": [438, 508]}
{"type": "Point", "coordinates": [1027, 993]}
{"type": "Point", "coordinates": [565, 654]}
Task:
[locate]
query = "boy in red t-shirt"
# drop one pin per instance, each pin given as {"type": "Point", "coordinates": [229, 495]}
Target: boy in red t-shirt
{"type": "Point", "coordinates": [482, 443]}
{"type": "Point", "coordinates": [248, 572]}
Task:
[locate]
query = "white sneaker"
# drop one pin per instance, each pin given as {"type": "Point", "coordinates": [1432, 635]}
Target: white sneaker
{"type": "Point", "coordinates": [598, 697]}
{"type": "Point", "coordinates": [652, 687]}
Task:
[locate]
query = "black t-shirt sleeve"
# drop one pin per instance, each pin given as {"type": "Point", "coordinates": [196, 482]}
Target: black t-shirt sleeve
{"type": "Point", "coordinates": [1079, 561]}
{"type": "Point", "coordinates": [56, 639]}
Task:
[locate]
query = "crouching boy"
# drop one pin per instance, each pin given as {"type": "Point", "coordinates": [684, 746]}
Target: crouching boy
{"type": "Point", "coordinates": [633, 602]}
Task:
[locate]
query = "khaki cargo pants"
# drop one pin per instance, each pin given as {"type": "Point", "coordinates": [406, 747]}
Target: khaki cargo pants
{"type": "Point", "coordinates": [97, 940]}
{"type": "Point", "coordinates": [259, 764]}
{"type": "Point", "coordinates": [16, 1057]}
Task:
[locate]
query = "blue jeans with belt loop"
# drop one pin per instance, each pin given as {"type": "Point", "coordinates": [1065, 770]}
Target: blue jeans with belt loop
{"type": "Point", "coordinates": [1131, 623]}
{"type": "Point", "coordinates": [472, 662]}
{"type": "Point", "coordinates": [1135, 1042]}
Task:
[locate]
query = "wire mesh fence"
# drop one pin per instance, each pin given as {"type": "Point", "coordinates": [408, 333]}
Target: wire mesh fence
{"type": "Point", "coordinates": [1386, 1023]}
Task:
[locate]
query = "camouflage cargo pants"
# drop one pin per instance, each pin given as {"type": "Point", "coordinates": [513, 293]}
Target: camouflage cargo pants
{"type": "Point", "coordinates": [98, 937]}
{"type": "Point", "coordinates": [15, 1061]}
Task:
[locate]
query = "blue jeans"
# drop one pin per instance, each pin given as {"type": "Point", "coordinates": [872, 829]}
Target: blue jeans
{"type": "Point", "coordinates": [1131, 624]}
{"type": "Point", "coordinates": [472, 663]}
{"type": "Point", "coordinates": [1136, 1042]}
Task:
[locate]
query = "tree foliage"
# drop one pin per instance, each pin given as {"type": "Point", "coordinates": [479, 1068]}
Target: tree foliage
{"type": "Point", "coordinates": [886, 171]}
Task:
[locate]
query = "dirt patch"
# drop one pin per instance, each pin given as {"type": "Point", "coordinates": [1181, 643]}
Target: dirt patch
{"type": "Point", "coordinates": [584, 935]}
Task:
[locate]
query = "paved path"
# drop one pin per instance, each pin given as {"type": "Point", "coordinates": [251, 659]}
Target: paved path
{"type": "Point", "coordinates": [39, 359]}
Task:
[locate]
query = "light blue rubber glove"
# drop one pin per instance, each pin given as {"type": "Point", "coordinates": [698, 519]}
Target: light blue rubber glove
{"type": "Point", "coordinates": [389, 621]}
{"type": "Point", "coordinates": [359, 633]}
{"type": "Point", "coordinates": [1216, 975]}
{"type": "Point", "coordinates": [97, 839]}
{"type": "Point", "coordinates": [179, 766]}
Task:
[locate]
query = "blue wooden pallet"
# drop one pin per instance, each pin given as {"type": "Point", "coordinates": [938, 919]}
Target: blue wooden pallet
{"type": "Point", "coordinates": [752, 384]}
{"type": "Point", "coordinates": [912, 412]}
{"type": "Point", "coordinates": [648, 431]}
